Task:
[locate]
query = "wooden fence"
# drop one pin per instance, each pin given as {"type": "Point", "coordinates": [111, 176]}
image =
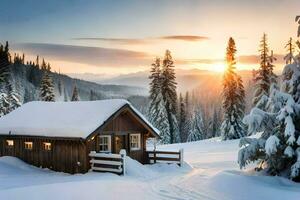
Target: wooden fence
{"type": "Point", "coordinates": [166, 157]}
{"type": "Point", "coordinates": [108, 162]}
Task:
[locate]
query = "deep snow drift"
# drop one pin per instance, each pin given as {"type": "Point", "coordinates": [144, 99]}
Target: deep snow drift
{"type": "Point", "coordinates": [211, 173]}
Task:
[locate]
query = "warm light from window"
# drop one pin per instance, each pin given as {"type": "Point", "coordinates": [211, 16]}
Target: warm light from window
{"type": "Point", "coordinates": [135, 141]}
{"type": "Point", "coordinates": [47, 146]}
{"type": "Point", "coordinates": [10, 143]}
{"type": "Point", "coordinates": [28, 145]}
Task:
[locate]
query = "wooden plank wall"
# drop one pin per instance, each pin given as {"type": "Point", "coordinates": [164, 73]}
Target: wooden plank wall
{"type": "Point", "coordinates": [124, 124]}
{"type": "Point", "coordinates": [65, 155]}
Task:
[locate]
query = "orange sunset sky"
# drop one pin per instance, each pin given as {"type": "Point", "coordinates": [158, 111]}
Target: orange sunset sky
{"type": "Point", "coordinates": [117, 37]}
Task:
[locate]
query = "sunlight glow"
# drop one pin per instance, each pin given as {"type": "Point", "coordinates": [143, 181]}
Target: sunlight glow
{"type": "Point", "coordinates": [218, 67]}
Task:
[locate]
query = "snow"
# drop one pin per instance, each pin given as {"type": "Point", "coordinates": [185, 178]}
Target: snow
{"type": "Point", "coordinates": [62, 119]}
{"type": "Point", "coordinates": [210, 172]}
{"type": "Point", "coordinates": [271, 144]}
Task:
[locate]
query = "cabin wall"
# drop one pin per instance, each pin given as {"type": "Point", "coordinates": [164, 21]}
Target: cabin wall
{"type": "Point", "coordinates": [65, 155]}
{"type": "Point", "coordinates": [123, 125]}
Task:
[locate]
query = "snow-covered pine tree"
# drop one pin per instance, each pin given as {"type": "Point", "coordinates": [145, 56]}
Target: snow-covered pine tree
{"type": "Point", "coordinates": [47, 88]}
{"type": "Point", "coordinates": [13, 98]}
{"type": "Point", "coordinates": [66, 96]}
{"type": "Point", "coordinates": [92, 95]}
{"type": "Point", "coordinates": [161, 119]}
{"type": "Point", "coordinates": [188, 123]}
{"type": "Point", "coordinates": [262, 78]}
{"type": "Point", "coordinates": [290, 48]}
{"type": "Point", "coordinates": [233, 98]}
{"type": "Point", "coordinates": [59, 85]}
{"type": "Point", "coordinates": [215, 123]}
{"type": "Point", "coordinates": [157, 113]}
{"type": "Point", "coordinates": [155, 84]}
{"type": "Point", "coordinates": [272, 76]}
{"type": "Point", "coordinates": [4, 63]}
{"type": "Point", "coordinates": [168, 88]}
{"type": "Point", "coordinates": [182, 119]}
{"type": "Point", "coordinates": [278, 147]}
{"type": "Point", "coordinates": [4, 104]}
{"type": "Point", "coordinates": [196, 131]}
{"type": "Point", "coordinates": [75, 95]}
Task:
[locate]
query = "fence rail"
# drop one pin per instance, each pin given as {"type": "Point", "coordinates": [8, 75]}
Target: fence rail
{"type": "Point", "coordinates": [166, 157]}
{"type": "Point", "coordinates": [107, 162]}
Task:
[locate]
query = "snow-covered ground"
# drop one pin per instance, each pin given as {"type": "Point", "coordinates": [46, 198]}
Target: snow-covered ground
{"type": "Point", "coordinates": [211, 173]}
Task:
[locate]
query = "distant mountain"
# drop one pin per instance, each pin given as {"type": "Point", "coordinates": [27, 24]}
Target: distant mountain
{"type": "Point", "coordinates": [186, 79]}
{"type": "Point", "coordinates": [27, 81]}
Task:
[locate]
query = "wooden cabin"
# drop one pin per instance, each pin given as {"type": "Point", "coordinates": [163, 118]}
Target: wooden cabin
{"type": "Point", "coordinates": [60, 135]}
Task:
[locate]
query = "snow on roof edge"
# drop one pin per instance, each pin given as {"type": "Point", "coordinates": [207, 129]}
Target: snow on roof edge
{"type": "Point", "coordinates": [69, 129]}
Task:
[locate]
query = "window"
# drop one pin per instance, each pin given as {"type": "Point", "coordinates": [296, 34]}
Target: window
{"type": "Point", "coordinates": [28, 145]}
{"type": "Point", "coordinates": [135, 141]}
{"type": "Point", "coordinates": [47, 146]}
{"type": "Point", "coordinates": [105, 143]}
{"type": "Point", "coordinates": [10, 143]}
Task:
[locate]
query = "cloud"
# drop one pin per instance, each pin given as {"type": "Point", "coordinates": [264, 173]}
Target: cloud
{"type": "Point", "coordinates": [137, 41]}
{"type": "Point", "coordinates": [255, 59]}
{"type": "Point", "coordinates": [243, 59]}
{"type": "Point", "coordinates": [190, 38]}
{"type": "Point", "coordinates": [96, 56]}
{"type": "Point", "coordinates": [198, 61]}
{"type": "Point", "coordinates": [125, 41]}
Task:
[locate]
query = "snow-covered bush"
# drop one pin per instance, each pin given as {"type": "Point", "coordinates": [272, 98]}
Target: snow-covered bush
{"type": "Point", "coordinates": [278, 148]}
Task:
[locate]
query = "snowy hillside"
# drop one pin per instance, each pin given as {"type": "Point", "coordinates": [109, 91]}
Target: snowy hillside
{"type": "Point", "coordinates": [211, 173]}
{"type": "Point", "coordinates": [27, 81]}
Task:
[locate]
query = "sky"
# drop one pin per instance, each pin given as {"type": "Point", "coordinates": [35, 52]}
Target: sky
{"type": "Point", "coordinates": [124, 36]}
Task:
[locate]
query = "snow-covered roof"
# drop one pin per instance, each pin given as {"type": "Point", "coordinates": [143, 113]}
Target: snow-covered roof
{"type": "Point", "coordinates": [62, 119]}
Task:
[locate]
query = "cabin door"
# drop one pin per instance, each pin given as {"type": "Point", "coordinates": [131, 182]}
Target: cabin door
{"type": "Point", "coordinates": [119, 143]}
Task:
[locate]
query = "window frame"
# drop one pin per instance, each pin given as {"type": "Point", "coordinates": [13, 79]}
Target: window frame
{"type": "Point", "coordinates": [27, 143]}
{"type": "Point", "coordinates": [8, 145]}
{"type": "Point", "coordinates": [47, 144]}
{"type": "Point", "coordinates": [109, 150]}
{"type": "Point", "coordinates": [139, 143]}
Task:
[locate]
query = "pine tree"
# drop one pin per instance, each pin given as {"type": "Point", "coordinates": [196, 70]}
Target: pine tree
{"type": "Point", "coordinates": [188, 115]}
{"type": "Point", "coordinates": [196, 131]}
{"type": "Point", "coordinates": [159, 119]}
{"type": "Point", "coordinates": [290, 48]}
{"type": "Point", "coordinates": [13, 98]}
{"type": "Point", "coordinates": [168, 88]}
{"type": "Point", "coordinates": [233, 98]}
{"type": "Point", "coordinates": [155, 83]}
{"type": "Point", "coordinates": [4, 104]}
{"type": "Point", "coordinates": [264, 76]}
{"type": "Point", "coordinates": [182, 119]}
{"type": "Point", "coordinates": [92, 95]}
{"type": "Point", "coordinates": [215, 123]}
{"type": "Point", "coordinates": [157, 113]}
{"type": "Point", "coordinates": [66, 97]}
{"type": "Point", "coordinates": [37, 64]}
{"type": "Point", "coordinates": [278, 147]}
{"type": "Point", "coordinates": [272, 75]}
{"type": "Point", "coordinates": [4, 63]}
{"type": "Point", "coordinates": [44, 65]}
{"type": "Point", "coordinates": [47, 88]}
{"type": "Point", "coordinates": [75, 95]}
{"type": "Point", "coordinates": [59, 85]}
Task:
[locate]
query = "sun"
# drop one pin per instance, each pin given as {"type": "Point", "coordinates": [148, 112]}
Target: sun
{"type": "Point", "coordinates": [218, 67]}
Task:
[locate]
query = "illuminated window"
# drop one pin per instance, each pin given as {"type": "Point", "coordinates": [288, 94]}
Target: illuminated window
{"type": "Point", "coordinates": [135, 141]}
{"type": "Point", "coordinates": [9, 143]}
{"type": "Point", "coordinates": [105, 143]}
{"type": "Point", "coordinates": [28, 145]}
{"type": "Point", "coordinates": [47, 146]}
